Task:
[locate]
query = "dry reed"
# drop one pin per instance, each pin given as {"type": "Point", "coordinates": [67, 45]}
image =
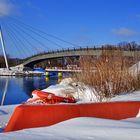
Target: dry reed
{"type": "Point", "coordinates": [108, 74]}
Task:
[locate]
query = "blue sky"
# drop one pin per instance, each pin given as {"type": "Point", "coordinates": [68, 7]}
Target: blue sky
{"type": "Point", "coordinates": [82, 22]}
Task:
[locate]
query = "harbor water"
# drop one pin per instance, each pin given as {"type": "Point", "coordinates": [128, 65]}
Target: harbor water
{"type": "Point", "coordinates": [16, 90]}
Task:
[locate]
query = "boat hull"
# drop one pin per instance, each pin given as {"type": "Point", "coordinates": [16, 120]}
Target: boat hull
{"type": "Point", "coordinates": [30, 116]}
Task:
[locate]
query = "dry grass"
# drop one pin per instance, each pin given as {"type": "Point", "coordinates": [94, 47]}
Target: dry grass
{"type": "Point", "coordinates": [108, 74]}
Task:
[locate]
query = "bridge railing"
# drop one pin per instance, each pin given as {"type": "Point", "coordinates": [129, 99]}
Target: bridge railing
{"type": "Point", "coordinates": [63, 50]}
{"type": "Point", "coordinates": [84, 49]}
{"type": "Point", "coordinates": [102, 48]}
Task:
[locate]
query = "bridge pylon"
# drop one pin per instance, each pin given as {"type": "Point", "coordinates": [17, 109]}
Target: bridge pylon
{"type": "Point", "coordinates": [3, 48]}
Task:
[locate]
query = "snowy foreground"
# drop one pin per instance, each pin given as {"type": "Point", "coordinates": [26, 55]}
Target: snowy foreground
{"type": "Point", "coordinates": [83, 128]}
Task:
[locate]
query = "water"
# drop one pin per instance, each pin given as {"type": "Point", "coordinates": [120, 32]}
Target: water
{"type": "Point", "coordinates": [16, 90]}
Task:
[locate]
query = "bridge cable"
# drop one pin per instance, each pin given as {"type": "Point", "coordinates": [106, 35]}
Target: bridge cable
{"type": "Point", "coordinates": [25, 39]}
{"type": "Point", "coordinates": [36, 33]}
{"type": "Point", "coordinates": [13, 38]}
{"type": "Point", "coordinates": [35, 29]}
{"type": "Point", "coordinates": [32, 37]}
{"type": "Point", "coordinates": [10, 35]}
{"type": "Point", "coordinates": [18, 40]}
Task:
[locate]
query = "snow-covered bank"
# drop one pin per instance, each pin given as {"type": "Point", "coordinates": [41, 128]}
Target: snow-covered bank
{"type": "Point", "coordinates": [133, 96]}
{"type": "Point", "coordinates": [78, 128]}
{"type": "Point", "coordinates": [16, 72]}
{"type": "Point", "coordinates": [81, 129]}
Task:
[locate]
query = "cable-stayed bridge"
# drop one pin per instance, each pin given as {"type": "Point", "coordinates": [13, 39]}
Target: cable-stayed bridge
{"type": "Point", "coordinates": [26, 40]}
{"type": "Point", "coordinates": [23, 41]}
{"type": "Point", "coordinates": [33, 45]}
{"type": "Point", "coordinates": [30, 62]}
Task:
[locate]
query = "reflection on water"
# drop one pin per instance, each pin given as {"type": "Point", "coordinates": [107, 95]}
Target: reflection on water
{"type": "Point", "coordinates": [4, 92]}
{"type": "Point", "coordinates": [15, 90]}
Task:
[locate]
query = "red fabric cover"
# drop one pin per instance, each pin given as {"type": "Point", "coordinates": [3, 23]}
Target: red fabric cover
{"type": "Point", "coordinates": [29, 116]}
{"type": "Point", "coordinates": [50, 97]}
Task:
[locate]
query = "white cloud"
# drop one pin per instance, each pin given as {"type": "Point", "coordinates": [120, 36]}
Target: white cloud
{"type": "Point", "coordinates": [124, 32]}
{"type": "Point", "coordinates": [6, 8]}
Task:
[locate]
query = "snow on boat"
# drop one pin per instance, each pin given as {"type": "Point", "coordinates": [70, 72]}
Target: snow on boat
{"type": "Point", "coordinates": [41, 97]}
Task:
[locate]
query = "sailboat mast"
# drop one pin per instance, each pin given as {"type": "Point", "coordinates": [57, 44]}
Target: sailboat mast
{"type": "Point", "coordinates": [3, 48]}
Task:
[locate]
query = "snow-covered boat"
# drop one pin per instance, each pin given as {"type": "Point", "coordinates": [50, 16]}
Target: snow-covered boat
{"type": "Point", "coordinates": [41, 97]}
{"type": "Point", "coordinates": [30, 116]}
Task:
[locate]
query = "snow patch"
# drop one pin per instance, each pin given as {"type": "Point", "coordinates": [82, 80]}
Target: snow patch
{"type": "Point", "coordinates": [138, 115]}
{"type": "Point", "coordinates": [83, 128]}
{"type": "Point", "coordinates": [134, 96]}
{"type": "Point", "coordinates": [5, 114]}
{"type": "Point", "coordinates": [135, 69]}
